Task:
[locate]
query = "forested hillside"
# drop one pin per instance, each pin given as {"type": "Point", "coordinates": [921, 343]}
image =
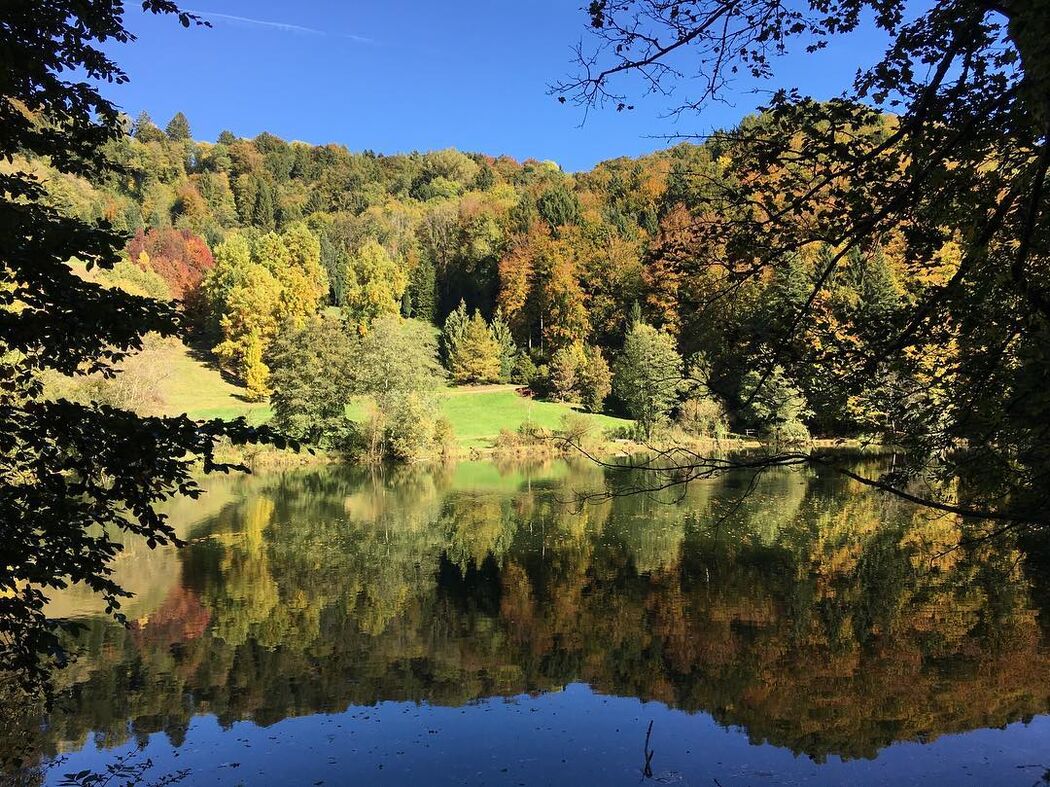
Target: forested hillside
{"type": "Point", "coordinates": [593, 287]}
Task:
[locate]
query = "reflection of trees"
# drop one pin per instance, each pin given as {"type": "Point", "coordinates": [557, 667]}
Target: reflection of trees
{"type": "Point", "coordinates": [814, 617]}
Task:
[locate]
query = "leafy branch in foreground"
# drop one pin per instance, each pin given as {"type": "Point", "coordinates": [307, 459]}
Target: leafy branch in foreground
{"type": "Point", "coordinates": [73, 475]}
{"type": "Point", "coordinates": [940, 152]}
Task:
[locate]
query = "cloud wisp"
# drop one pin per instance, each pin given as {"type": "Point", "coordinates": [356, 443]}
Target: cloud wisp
{"type": "Point", "coordinates": [287, 27]}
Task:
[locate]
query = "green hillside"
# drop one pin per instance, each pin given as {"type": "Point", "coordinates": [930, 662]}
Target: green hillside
{"type": "Point", "coordinates": [477, 413]}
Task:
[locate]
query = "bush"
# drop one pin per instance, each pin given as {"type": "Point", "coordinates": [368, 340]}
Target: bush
{"type": "Point", "coordinates": [789, 433]}
{"type": "Point", "coordinates": [410, 427]}
{"type": "Point", "coordinates": [703, 416]}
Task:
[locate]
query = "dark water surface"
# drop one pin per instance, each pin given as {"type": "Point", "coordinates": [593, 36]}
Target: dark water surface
{"type": "Point", "coordinates": [467, 626]}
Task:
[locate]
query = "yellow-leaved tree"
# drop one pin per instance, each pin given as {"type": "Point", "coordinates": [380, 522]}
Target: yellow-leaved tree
{"type": "Point", "coordinates": [373, 285]}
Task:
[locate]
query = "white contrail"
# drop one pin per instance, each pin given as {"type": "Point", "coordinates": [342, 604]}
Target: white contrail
{"type": "Point", "coordinates": [286, 26]}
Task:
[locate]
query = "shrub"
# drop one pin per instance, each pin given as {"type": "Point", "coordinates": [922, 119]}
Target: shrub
{"type": "Point", "coordinates": [703, 416]}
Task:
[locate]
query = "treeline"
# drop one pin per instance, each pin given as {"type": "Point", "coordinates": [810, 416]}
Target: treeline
{"type": "Point", "coordinates": [593, 287]}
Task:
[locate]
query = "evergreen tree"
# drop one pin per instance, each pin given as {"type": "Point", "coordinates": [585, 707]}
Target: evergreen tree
{"type": "Point", "coordinates": [422, 288]}
{"type": "Point", "coordinates": [508, 351]}
{"type": "Point", "coordinates": [146, 130]}
{"type": "Point", "coordinates": [263, 210]}
{"type": "Point", "coordinates": [178, 128]}
{"type": "Point", "coordinates": [558, 206]}
{"type": "Point", "coordinates": [475, 354]}
{"type": "Point", "coordinates": [455, 324]}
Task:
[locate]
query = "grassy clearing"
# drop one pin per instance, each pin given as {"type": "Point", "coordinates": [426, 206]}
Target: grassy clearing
{"type": "Point", "coordinates": [194, 387]}
{"type": "Point", "coordinates": [477, 413]}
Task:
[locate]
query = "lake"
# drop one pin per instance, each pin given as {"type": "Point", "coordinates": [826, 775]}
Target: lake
{"type": "Point", "coordinates": [473, 624]}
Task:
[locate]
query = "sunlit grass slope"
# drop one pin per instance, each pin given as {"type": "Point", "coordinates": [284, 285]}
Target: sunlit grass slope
{"type": "Point", "coordinates": [477, 413]}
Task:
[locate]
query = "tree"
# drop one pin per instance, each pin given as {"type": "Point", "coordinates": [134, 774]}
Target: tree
{"type": "Point", "coordinates": [566, 368]}
{"type": "Point", "coordinates": [302, 278]}
{"type": "Point", "coordinates": [145, 130]}
{"type": "Point", "coordinates": [421, 289]}
{"type": "Point", "coordinates": [72, 476]}
{"type": "Point", "coordinates": [452, 333]}
{"type": "Point", "coordinates": [595, 379]}
{"type": "Point", "coordinates": [178, 128]}
{"type": "Point", "coordinates": [508, 351]}
{"type": "Point", "coordinates": [395, 364]}
{"type": "Point", "coordinates": [248, 325]}
{"type": "Point", "coordinates": [373, 284]}
{"type": "Point", "coordinates": [963, 159]}
{"type": "Point", "coordinates": [475, 355]}
{"type": "Point", "coordinates": [776, 407]}
{"type": "Point", "coordinates": [179, 257]}
{"type": "Point", "coordinates": [311, 370]}
{"type": "Point", "coordinates": [558, 206]}
{"type": "Point", "coordinates": [648, 376]}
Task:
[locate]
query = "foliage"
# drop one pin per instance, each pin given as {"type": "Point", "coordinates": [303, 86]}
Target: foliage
{"type": "Point", "coordinates": [372, 286]}
{"type": "Point", "coordinates": [179, 257]}
{"type": "Point", "coordinates": [178, 128]}
{"type": "Point", "coordinates": [474, 354]}
{"type": "Point", "coordinates": [776, 407]}
{"type": "Point", "coordinates": [703, 416]}
{"type": "Point", "coordinates": [566, 369]}
{"type": "Point", "coordinates": [648, 376]}
{"type": "Point", "coordinates": [938, 156]}
{"type": "Point", "coordinates": [311, 370]}
{"type": "Point", "coordinates": [595, 380]}
{"type": "Point", "coordinates": [73, 476]}
{"type": "Point", "coordinates": [508, 350]}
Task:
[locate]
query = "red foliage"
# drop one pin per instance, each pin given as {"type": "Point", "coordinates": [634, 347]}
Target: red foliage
{"type": "Point", "coordinates": [177, 256]}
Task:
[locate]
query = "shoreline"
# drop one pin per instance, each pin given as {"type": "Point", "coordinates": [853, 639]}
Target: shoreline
{"type": "Point", "coordinates": [263, 458]}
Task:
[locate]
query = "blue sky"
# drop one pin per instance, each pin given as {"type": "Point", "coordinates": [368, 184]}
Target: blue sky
{"type": "Point", "coordinates": [400, 75]}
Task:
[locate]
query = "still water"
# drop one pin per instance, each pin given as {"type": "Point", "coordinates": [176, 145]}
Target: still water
{"type": "Point", "coordinates": [469, 625]}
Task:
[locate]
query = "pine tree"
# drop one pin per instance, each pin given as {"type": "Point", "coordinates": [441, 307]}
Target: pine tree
{"type": "Point", "coordinates": [476, 357]}
{"type": "Point", "coordinates": [451, 334]}
{"type": "Point", "coordinates": [263, 211]}
{"type": "Point", "coordinates": [146, 130]}
{"type": "Point", "coordinates": [422, 283]}
{"type": "Point", "coordinates": [508, 351]}
{"type": "Point", "coordinates": [178, 128]}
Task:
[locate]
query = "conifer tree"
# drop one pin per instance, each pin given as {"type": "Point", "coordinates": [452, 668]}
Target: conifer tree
{"type": "Point", "coordinates": [178, 128]}
{"type": "Point", "coordinates": [476, 355]}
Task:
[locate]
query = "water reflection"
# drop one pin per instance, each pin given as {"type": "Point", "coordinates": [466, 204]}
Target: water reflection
{"type": "Point", "coordinates": [815, 618]}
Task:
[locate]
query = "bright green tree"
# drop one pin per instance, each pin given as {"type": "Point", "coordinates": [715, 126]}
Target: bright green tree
{"type": "Point", "coordinates": [508, 350]}
{"type": "Point", "coordinates": [311, 372]}
{"type": "Point", "coordinates": [648, 376]}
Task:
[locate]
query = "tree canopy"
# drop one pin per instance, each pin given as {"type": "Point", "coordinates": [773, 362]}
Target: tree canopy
{"type": "Point", "coordinates": [937, 155]}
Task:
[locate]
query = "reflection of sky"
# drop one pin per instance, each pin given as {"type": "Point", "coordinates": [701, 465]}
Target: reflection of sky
{"type": "Point", "coordinates": [571, 737]}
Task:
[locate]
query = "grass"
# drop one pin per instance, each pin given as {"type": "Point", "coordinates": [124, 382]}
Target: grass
{"type": "Point", "coordinates": [199, 390]}
{"type": "Point", "coordinates": [477, 413]}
